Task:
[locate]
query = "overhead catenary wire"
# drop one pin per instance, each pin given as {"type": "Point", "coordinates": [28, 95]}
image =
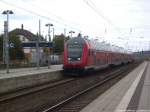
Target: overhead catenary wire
{"type": "Point", "coordinates": [92, 6]}
{"type": "Point", "coordinates": [33, 5]}
{"type": "Point", "coordinates": [99, 12]}
{"type": "Point", "coordinates": [58, 18]}
{"type": "Point", "coordinates": [37, 14]}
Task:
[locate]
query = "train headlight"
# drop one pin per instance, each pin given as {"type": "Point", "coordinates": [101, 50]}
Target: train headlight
{"type": "Point", "coordinates": [69, 59]}
{"type": "Point", "coordinates": [78, 59]}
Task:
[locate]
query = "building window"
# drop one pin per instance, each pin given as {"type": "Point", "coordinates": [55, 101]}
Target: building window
{"type": "Point", "coordinates": [23, 39]}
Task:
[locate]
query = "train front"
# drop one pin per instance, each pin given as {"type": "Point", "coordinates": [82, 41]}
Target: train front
{"type": "Point", "coordinates": [75, 55]}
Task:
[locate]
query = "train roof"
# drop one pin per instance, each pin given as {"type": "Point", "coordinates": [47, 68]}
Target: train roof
{"type": "Point", "coordinates": [107, 47]}
{"type": "Point", "coordinates": [78, 40]}
{"type": "Point", "coordinates": [98, 45]}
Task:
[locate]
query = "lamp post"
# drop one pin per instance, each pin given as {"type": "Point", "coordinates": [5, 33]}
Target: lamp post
{"type": "Point", "coordinates": [53, 45]}
{"type": "Point", "coordinates": [64, 35]}
{"type": "Point", "coordinates": [49, 25]}
{"type": "Point", "coordinates": [7, 12]}
{"type": "Point", "coordinates": [38, 47]}
{"type": "Point", "coordinates": [71, 32]}
{"type": "Point", "coordinates": [4, 42]}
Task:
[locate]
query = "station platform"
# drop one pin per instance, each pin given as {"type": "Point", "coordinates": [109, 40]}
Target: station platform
{"type": "Point", "coordinates": [17, 72]}
{"type": "Point", "coordinates": [130, 94]}
{"type": "Point", "coordinates": [27, 77]}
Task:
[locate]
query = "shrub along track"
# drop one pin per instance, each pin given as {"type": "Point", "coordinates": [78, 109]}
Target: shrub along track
{"type": "Point", "coordinates": [40, 98]}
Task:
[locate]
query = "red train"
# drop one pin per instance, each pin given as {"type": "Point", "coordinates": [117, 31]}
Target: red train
{"type": "Point", "coordinates": [81, 54]}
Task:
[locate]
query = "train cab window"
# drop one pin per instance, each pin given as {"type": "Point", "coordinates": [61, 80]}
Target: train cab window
{"type": "Point", "coordinates": [75, 51]}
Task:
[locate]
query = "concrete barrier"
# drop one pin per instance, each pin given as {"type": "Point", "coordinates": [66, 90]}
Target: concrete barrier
{"type": "Point", "coordinates": [20, 82]}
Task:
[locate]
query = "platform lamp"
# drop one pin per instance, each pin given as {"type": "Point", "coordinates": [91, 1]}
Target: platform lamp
{"type": "Point", "coordinates": [6, 44]}
{"type": "Point", "coordinates": [71, 32]}
{"type": "Point", "coordinates": [49, 25]}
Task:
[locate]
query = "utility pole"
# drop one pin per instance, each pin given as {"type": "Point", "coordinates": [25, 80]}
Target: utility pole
{"type": "Point", "coordinates": [105, 36]}
{"type": "Point", "coordinates": [64, 35]}
{"type": "Point", "coordinates": [53, 33]}
{"type": "Point", "coordinates": [37, 46]}
{"type": "Point", "coordinates": [149, 46]}
{"type": "Point", "coordinates": [53, 45]}
{"type": "Point", "coordinates": [64, 31]}
{"type": "Point", "coordinates": [49, 25]}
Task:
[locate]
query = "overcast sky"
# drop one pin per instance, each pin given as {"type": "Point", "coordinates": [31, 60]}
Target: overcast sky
{"type": "Point", "coordinates": [122, 22]}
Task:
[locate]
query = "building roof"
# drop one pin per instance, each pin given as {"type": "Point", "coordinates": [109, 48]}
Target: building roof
{"type": "Point", "coordinates": [30, 36]}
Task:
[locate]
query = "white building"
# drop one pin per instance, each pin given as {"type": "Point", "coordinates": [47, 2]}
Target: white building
{"type": "Point", "coordinates": [26, 37]}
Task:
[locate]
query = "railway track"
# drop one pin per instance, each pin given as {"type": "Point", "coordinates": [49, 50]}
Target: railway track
{"type": "Point", "coordinates": [79, 100]}
{"type": "Point", "coordinates": [53, 95]}
{"type": "Point", "coordinates": [31, 90]}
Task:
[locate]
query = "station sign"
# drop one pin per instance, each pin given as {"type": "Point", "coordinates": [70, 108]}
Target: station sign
{"type": "Point", "coordinates": [41, 44]}
{"type": "Point", "coordinates": [11, 45]}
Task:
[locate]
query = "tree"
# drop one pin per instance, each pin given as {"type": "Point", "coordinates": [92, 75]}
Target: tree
{"type": "Point", "coordinates": [15, 51]}
{"type": "Point", "coordinates": [79, 35]}
{"type": "Point", "coordinates": [58, 42]}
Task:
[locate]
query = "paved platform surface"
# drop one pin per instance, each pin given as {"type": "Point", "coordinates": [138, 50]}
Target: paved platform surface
{"type": "Point", "coordinates": [144, 102]}
{"type": "Point", "coordinates": [28, 71]}
{"type": "Point", "coordinates": [141, 98]}
{"type": "Point", "coordinates": [118, 97]}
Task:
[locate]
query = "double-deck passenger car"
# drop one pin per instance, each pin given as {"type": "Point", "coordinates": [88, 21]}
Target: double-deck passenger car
{"type": "Point", "coordinates": [81, 54]}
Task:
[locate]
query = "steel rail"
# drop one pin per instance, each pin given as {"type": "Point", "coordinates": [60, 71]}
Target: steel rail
{"type": "Point", "coordinates": [32, 90]}
{"type": "Point", "coordinates": [109, 77]}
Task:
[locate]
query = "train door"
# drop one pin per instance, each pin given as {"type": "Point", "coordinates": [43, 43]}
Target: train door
{"type": "Point", "coordinates": [94, 56]}
{"type": "Point", "coordinates": [108, 59]}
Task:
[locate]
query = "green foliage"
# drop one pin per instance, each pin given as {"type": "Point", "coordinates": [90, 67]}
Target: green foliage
{"type": "Point", "coordinates": [16, 52]}
{"type": "Point", "coordinates": [79, 35]}
{"type": "Point", "coordinates": [45, 50]}
{"type": "Point", "coordinates": [58, 42]}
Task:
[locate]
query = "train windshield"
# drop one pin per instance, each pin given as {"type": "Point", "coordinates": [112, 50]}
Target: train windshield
{"type": "Point", "coordinates": [75, 51]}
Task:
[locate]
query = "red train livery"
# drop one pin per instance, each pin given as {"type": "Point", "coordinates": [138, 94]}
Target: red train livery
{"type": "Point", "coordinates": [81, 54]}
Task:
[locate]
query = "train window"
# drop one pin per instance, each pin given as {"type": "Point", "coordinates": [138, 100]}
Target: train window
{"type": "Point", "coordinates": [92, 53]}
{"type": "Point", "coordinates": [74, 51]}
{"type": "Point", "coordinates": [89, 52]}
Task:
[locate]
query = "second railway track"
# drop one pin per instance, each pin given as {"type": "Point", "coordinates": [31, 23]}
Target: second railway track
{"type": "Point", "coordinates": [41, 100]}
{"type": "Point", "coordinates": [79, 100]}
